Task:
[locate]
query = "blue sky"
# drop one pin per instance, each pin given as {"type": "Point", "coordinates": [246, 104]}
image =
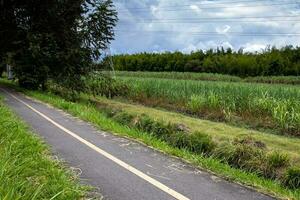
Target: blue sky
{"type": "Point", "coordinates": [188, 25]}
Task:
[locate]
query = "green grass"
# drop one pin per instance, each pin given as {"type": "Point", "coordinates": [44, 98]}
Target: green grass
{"type": "Point", "coordinates": [180, 76]}
{"type": "Point", "coordinates": [220, 132]}
{"type": "Point", "coordinates": [257, 105]}
{"type": "Point", "coordinates": [90, 113]}
{"type": "Point", "coordinates": [294, 80]}
{"type": "Point", "coordinates": [27, 169]}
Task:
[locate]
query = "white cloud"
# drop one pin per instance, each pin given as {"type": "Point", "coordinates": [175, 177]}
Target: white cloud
{"type": "Point", "coordinates": [223, 29]}
{"type": "Point", "coordinates": [250, 47]}
{"type": "Point", "coordinates": [195, 8]}
{"type": "Point", "coordinates": [171, 35]}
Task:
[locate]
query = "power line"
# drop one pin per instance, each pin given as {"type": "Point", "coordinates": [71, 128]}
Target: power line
{"type": "Point", "coordinates": [201, 4]}
{"type": "Point", "coordinates": [218, 7]}
{"type": "Point", "coordinates": [212, 33]}
{"type": "Point", "coordinates": [223, 18]}
{"type": "Point", "coordinates": [243, 19]}
{"type": "Point", "coordinates": [209, 21]}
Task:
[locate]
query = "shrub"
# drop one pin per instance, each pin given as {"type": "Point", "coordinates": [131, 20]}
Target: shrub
{"type": "Point", "coordinates": [196, 142]}
{"type": "Point", "coordinates": [247, 157]}
{"type": "Point", "coordinates": [249, 141]}
{"type": "Point", "coordinates": [275, 164]}
{"type": "Point", "coordinates": [110, 112]}
{"type": "Point", "coordinates": [201, 143]}
{"type": "Point", "coordinates": [179, 140]}
{"type": "Point", "coordinates": [145, 123]}
{"type": "Point", "coordinates": [104, 85]}
{"type": "Point", "coordinates": [248, 154]}
{"type": "Point", "coordinates": [2, 69]}
{"type": "Point", "coordinates": [123, 118]}
{"type": "Point", "coordinates": [224, 152]}
{"type": "Point", "coordinates": [277, 160]}
{"type": "Point", "coordinates": [241, 156]}
{"type": "Point", "coordinates": [291, 178]}
{"type": "Point", "coordinates": [156, 128]}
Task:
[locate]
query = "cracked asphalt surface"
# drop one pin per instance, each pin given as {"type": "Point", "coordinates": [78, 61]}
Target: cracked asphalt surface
{"type": "Point", "coordinates": [111, 180]}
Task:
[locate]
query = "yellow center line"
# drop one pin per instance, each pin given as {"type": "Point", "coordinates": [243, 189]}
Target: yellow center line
{"type": "Point", "coordinates": [126, 166]}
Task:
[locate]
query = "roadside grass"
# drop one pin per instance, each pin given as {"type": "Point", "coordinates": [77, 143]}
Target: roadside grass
{"type": "Point", "coordinates": [27, 170]}
{"type": "Point", "coordinates": [221, 132]}
{"type": "Point", "coordinates": [89, 112]}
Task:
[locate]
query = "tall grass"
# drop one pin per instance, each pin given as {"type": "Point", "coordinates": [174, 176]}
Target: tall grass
{"type": "Point", "coordinates": [294, 80]}
{"type": "Point", "coordinates": [180, 75]}
{"type": "Point", "coordinates": [26, 168]}
{"type": "Point", "coordinates": [276, 103]}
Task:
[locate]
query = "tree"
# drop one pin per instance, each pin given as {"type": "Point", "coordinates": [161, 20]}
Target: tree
{"type": "Point", "coordinates": [193, 66]}
{"type": "Point", "coordinates": [55, 39]}
{"type": "Point", "coordinates": [2, 69]}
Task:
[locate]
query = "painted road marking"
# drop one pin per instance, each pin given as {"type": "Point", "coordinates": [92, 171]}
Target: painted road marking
{"type": "Point", "coordinates": [126, 166]}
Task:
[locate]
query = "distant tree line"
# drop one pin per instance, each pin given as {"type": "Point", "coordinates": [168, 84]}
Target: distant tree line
{"type": "Point", "coordinates": [272, 61]}
{"type": "Point", "coordinates": [54, 39]}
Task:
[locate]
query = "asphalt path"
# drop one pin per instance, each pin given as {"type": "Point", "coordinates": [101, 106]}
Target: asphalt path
{"type": "Point", "coordinates": [119, 168]}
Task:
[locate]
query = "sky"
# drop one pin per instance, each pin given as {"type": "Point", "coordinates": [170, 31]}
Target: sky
{"type": "Point", "coordinates": [190, 25]}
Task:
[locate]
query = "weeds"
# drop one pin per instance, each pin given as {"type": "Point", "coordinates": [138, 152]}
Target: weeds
{"type": "Point", "coordinates": [244, 152]}
{"type": "Point", "coordinates": [291, 178]}
{"type": "Point", "coordinates": [251, 155]}
{"type": "Point", "coordinates": [26, 170]}
{"type": "Point", "coordinates": [104, 85]}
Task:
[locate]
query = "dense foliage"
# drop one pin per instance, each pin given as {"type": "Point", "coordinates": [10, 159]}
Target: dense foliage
{"type": "Point", "coordinates": [272, 61]}
{"type": "Point", "coordinates": [2, 68]}
{"type": "Point", "coordinates": [44, 39]}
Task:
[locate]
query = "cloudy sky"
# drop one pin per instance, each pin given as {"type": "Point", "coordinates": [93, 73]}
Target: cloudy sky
{"type": "Point", "coordinates": [188, 25]}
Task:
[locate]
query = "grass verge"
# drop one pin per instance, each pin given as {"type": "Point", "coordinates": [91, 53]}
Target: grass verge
{"type": "Point", "coordinates": [89, 112]}
{"type": "Point", "coordinates": [220, 132]}
{"type": "Point", "coordinates": [27, 170]}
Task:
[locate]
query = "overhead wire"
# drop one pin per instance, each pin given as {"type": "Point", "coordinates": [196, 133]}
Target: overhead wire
{"type": "Point", "coordinates": [203, 4]}
{"type": "Point", "coordinates": [211, 7]}
{"type": "Point", "coordinates": [240, 19]}
{"type": "Point", "coordinates": [201, 33]}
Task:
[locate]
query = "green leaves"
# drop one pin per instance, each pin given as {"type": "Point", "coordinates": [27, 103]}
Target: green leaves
{"type": "Point", "coordinates": [55, 40]}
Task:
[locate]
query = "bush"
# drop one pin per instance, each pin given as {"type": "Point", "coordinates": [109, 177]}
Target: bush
{"type": "Point", "coordinates": [144, 123]}
{"type": "Point", "coordinates": [277, 160]}
{"type": "Point", "coordinates": [196, 142]}
{"type": "Point", "coordinates": [123, 118]}
{"type": "Point", "coordinates": [246, 157]}
{"type": "Point", "coordinates": [201, 143]}
{"type": "Point", "coordinates": [2, 69]}
{"type": "Point", "coordinates": [275, 164]}
{"type": "Point", "coordinates": [291, 178]}
{"type": "Point", "coordinates": [159, 129]}
{"type": "Point", "coordinates": [224, 152]}
{"type": "Point", "coordinates": [110, 112]}
{"type": "Point", "coordinates": [179, 140]}
{"type": "Point", "coordinates": [242, 156]}
{"type": "Point", "coordinates": [248, 154]}
{"type": "Point", "coordinates": [249, 141]}
{"type": "Point", "coordinates": [104, 85]}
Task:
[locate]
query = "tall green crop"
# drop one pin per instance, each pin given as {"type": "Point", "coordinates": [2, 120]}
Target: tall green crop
{"type": "Point", "coordinates": [281, 103]}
